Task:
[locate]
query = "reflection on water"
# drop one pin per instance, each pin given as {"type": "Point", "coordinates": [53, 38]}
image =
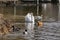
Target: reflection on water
{"type": "Point", "coordinates": [50, 11]}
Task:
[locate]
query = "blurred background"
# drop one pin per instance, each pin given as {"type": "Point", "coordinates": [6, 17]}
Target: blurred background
{"type": "Point", "coordinates": [17, 9]}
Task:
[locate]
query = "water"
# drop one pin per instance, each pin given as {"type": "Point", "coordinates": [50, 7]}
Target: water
{"type": "Point", "coordinates": [49, 31]}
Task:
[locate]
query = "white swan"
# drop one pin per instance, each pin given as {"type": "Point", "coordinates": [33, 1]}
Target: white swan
{"type": "Point", "coordinates": [29, 23]}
